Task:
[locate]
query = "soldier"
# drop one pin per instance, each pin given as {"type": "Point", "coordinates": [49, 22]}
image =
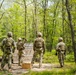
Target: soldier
{"type": "Point", "coordinates": [24, 40]}
{"type": "Point", "coordinates": [7, 46]}
{"type": "Point", "coordinates": [39, 48]}
{"type": "Point", "coordinates": [60, 49]}
{"type": "Point", "coordinates": [20, 48]}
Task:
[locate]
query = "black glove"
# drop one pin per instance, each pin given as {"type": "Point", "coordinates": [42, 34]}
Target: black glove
{"type": "Point", "coordinates": [65, 53]}
{"type": "Point", "coordinates": [56, 53]}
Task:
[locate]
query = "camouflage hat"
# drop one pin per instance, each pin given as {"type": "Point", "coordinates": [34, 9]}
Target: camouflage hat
{"type": "Point", "coordinates": [9, 34]}
{"type": "Point", "coordinates": [60, 39]}
{"type": "Point", "coordinates": [19, 39]}
{"type": "Point", "coordinates": [39, 34]}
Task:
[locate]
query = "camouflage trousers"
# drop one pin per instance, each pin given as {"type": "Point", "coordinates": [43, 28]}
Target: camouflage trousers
{"type": "Point", "coordinates": [38, 52]}
{"type": "Point", "coordinates": [6, 59]}
{"type": "Point", "coordinates": [61, 57]}
{"type": "Point", "coordinates": [19, 57]}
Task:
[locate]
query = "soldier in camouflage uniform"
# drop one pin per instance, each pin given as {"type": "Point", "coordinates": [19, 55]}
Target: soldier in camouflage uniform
{"type": "Point", "coordinates": [24, 40]}
{"type": "Point", "coordinates": [7, 46]}
{"type": "Point", "coordinates": [60, 49]}
{"type": "Point", "coordinates": [39, 48]}
{"type": "Point", "coordinates": [20, 48]}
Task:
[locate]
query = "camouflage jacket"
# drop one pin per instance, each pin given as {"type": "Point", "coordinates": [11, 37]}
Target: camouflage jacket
{"type": "Point", "coordinates": [20, 45]}
{"type": "Point", "coordinates": [42, 42]}
{"type": "Point", "coordinates": [6, 49]}
{"type": "Point", "coordinates": [60, 46]}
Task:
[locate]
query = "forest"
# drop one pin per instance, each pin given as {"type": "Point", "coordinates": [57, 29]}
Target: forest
{"type": "Point", "coordinates": [54, 18]}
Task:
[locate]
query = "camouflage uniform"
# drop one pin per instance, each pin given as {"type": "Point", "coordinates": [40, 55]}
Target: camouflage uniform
{"type": "Point", "coordinates": [38, 50]}
{"type": "Point", "coordinates": [7, 50]}
{"type": "Point", "coordinates": [24, 40]}
{"type": "Point", "coordinates": [61, 51]}
{"type": "Point", "coordinates": [20, 48]}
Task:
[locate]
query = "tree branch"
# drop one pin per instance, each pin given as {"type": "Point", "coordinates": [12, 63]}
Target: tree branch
{"type": "Point", "coordinates": [1, 4]}
{"type": "Point", "coordinates": [1, 16]}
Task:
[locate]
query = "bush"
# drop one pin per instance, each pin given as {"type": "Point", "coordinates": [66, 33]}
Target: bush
{"type": "Point", "coordinates": [50, 57]}
{"type": "Point", "coordinates": [70, 57]}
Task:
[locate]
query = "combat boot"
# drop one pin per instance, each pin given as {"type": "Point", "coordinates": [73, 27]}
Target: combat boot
{"type": "Point", "coordinates": [9, 70]}
{"type": "Point", "coordinates": [1, 69]}
{"type": "Point", "coordinates": [40, 65]}
{"type": "Point", "coordinates": [19, 64]}
{"type": "Point", "coordinates": [12, 61]}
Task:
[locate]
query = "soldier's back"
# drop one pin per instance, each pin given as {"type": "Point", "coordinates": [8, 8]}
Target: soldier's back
{"type": "Point", "coordinates": [61, 45]}
{"type": "Point", "coordinates": [39, 42]}
{"type": "Point", "coordinates": [20, 45]}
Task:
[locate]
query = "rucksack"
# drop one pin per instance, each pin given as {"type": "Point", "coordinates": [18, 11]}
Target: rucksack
{"type": "Point", "coordinates": [20, 46]}
{"type": "Point", "coordinates": [9, 42]}
{"type": "Point", "coordinates": [38, 43]}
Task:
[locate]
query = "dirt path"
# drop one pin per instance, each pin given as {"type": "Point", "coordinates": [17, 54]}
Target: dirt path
{"type": "Point", "coordinates": [17, 70]}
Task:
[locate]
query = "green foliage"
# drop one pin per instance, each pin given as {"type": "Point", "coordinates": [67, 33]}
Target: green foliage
{"type": "Point", "coordinates": [1, 53]}
{"type": "Point", "coordinates": [50, 57]}
{"type": "Point", "coordinates": [5, 73]}
{"type": "Point", "coordinates": [49, 12]}
{"type": "Point", "coordinates": [70, 57]}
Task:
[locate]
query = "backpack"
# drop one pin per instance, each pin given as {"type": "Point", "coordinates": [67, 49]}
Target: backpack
{"type": "Point", "coordinates": [8, 42]}
{"type": "Point", "coordinates": [20, 46]}
{"type": "Point", "coordinates": [38, 43]}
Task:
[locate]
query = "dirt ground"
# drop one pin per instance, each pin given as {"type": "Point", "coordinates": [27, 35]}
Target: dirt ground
{"type": "Point", "coordinates": [18, 70]}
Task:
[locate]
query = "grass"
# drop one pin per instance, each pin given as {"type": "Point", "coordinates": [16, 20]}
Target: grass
{"type": "Point", "coordinates": [5, 73]}
{"type": "Point", "coordinates": [55, 71]}
{"type": "Point", "coordinates": [50, 57]}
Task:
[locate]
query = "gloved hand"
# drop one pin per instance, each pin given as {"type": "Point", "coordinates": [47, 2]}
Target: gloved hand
{"type": "Point", "coordinates": [56, 53]}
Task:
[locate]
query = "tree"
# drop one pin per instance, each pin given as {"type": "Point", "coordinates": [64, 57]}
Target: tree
{"type": "Point", "coordinates": [25, 8]}
{"type": "Point", "coordinates": [35, 18]}
{"type": "Point", "coordinates": [1, 4]}
{"type": "Point", "coordinates": [71, 27]}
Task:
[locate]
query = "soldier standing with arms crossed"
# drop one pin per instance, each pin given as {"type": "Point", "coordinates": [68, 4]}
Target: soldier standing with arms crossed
{"type": "Point", "coordinates": [61, 51]}
{"type": "Point", "coordinates": [39, 48]}
{"type": "Point", "coordinates": [7, 46]}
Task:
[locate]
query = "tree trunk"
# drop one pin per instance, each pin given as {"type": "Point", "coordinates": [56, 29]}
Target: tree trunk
{"type": "Point", "coordinates": [71, 27]}
{"type": "Point", "coordinates": [1, 4]}
{"type": "Point", "coordinates": [25, 15]}
{"type": "Point", "coordinates": [63, 17]}
{"type": "Point", "coordinates": [44, 16]}
{"type": "Point", "coordinates": [35, 17]}
{"type": "Point", "coordinates": [54, 24]}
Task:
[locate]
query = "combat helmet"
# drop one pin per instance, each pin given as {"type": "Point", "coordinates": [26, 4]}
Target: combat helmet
{"type": "Point", "coordinates": [60, 39]}
{"type": "Point", "coordinates": [39, 34]}
{"type": "Point", "coordinates": [9, 34]}
{"type": "Point", "coordinates": [19, 39]}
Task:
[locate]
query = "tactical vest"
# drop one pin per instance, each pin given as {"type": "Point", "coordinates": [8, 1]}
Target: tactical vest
{"type": "Point", "coordinates": [8, 42]}
{"type": "Point", "coordinates": [61, 46]}
{"type": "Point", "coordinates": [39, 43]}
{"type": "Point", "coordinates": [20, 46]}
